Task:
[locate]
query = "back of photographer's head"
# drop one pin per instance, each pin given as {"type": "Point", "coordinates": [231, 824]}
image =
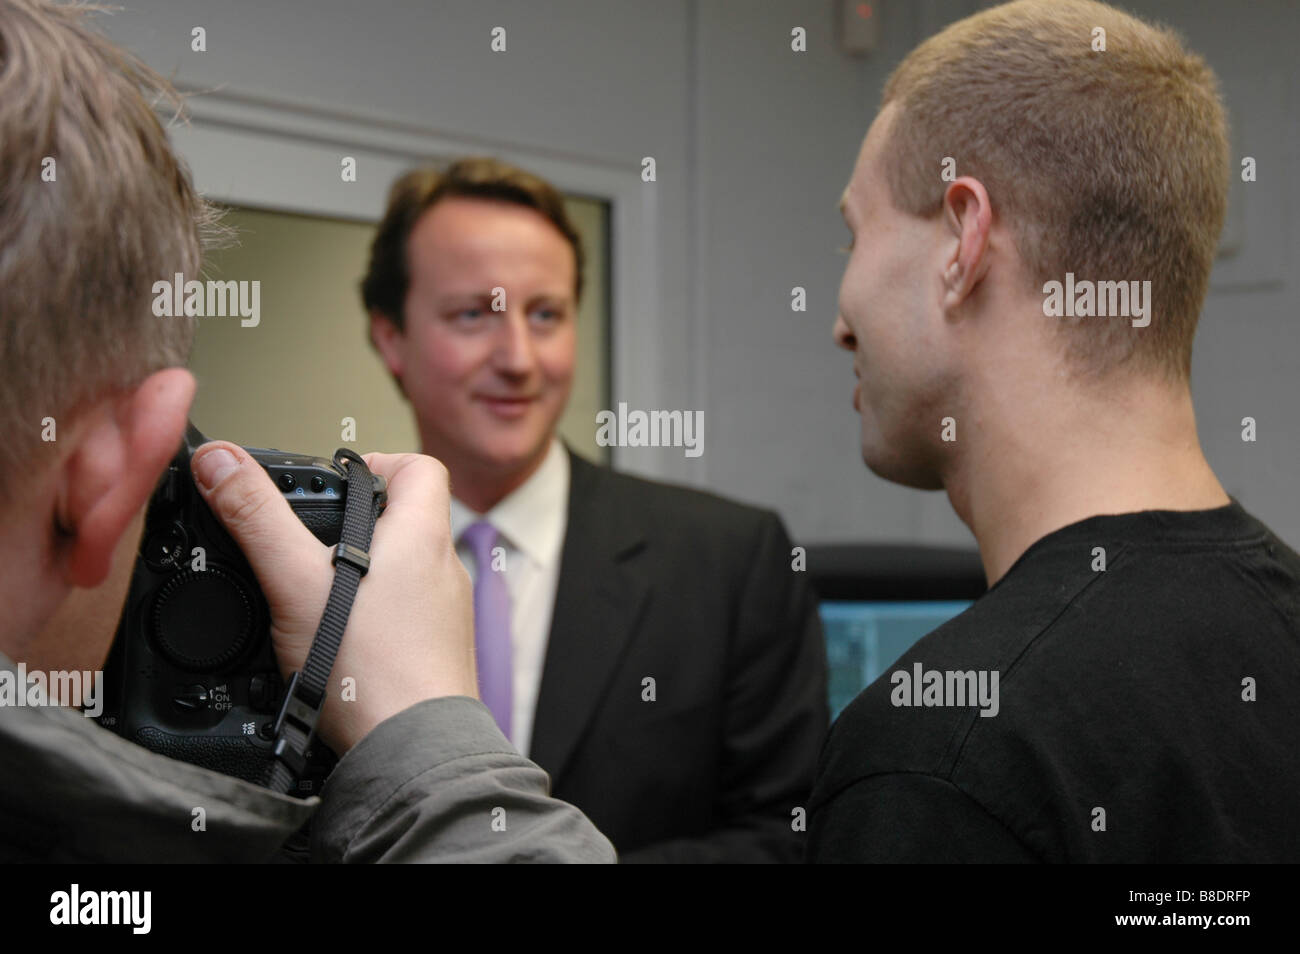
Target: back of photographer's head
{"type": "Point", "coordinates": [94, 209]}
{"type": "Point", "coordinates": [1101, 141]}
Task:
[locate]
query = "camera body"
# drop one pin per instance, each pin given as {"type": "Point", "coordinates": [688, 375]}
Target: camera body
{"type": "Point", "coordinates": [192, 674]}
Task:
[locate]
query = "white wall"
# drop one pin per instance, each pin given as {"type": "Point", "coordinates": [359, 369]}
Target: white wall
{"type": "Point", "coordinates": [753, 145]}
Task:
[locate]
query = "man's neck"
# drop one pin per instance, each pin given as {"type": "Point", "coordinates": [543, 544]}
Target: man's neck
{"type": "Point", "coordinates": [30, 591]}
{"type": "Point", "coordinates": [1032, 468]}
{"type": "Point", "coordinates": [482, 487]}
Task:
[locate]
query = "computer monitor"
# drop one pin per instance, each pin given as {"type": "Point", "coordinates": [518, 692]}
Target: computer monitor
{"type": "Point", "coordinates": [876, 601]}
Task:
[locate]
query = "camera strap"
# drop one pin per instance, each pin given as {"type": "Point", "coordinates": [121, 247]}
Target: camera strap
{"type": "Point", "coordinates": [295, 728]}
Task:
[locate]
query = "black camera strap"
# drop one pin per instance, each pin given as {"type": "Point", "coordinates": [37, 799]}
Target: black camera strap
{"type": "Point", "coordinates": [295, 728]}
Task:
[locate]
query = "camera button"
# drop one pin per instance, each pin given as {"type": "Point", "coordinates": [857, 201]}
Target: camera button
{"type": "Point", "coordinates": [287, 481]}
{"type": "Point", "coordinates": [164, 548]}
{"type": "Point", "coordinates": [191, 698]}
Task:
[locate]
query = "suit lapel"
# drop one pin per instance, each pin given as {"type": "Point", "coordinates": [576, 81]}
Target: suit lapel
{"type": "Point", "coordinates": [600, 595]}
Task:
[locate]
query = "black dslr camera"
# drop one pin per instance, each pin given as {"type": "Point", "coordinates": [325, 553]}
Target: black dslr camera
{"type": "Point", "coordinates": [192, 674]}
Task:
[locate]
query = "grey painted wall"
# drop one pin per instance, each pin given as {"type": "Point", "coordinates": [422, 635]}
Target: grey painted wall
{"type": "Point", "coordinates": [772, 160]}
{"type": "Point", "coordinates": [753, 145]}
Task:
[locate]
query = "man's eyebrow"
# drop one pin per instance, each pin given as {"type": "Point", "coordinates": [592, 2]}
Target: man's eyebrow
{"type": "Point", "coordinates": [454, 299]}
{"type": "Point", "coordinates": [844, 206]}
{"type": "Point", "coordinates": [459, 298]}
{"type": "Point", "coordinates": [554, 299]}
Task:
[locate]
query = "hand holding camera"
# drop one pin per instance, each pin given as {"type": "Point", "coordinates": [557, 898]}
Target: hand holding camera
{"type": "Point", "coordinates": [229, 591]}
{"type": "Point", "coordinates": [410, 636]}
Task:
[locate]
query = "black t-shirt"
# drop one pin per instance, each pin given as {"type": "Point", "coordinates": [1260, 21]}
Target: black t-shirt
{"type": "Point", "coordinates": [1147, 712]}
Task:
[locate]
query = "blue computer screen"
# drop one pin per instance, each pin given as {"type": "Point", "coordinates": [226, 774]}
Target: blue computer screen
{"type": "Point", "coordinates": [863, 639]}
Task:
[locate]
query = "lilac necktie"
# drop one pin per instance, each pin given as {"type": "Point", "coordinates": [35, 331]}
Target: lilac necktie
{"type": "Point", "coordinates": [491, 625]}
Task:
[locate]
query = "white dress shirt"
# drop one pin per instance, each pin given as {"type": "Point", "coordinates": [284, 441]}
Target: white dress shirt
{"type": "Point", "coordinates": [530, 523]}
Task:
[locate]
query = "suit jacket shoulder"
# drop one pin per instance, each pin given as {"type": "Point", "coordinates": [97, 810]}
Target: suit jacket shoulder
{"type": "Point", "coordinates": [683, 696]}
{"type": "Point", "coordinates": [656, 509]}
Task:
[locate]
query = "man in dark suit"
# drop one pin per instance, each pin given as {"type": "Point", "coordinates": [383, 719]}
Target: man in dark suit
{"type": "Point", "coordinates": [652, 647]}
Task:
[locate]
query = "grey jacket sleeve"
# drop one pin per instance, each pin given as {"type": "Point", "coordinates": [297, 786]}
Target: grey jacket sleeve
{"type": "Point", "coordinates": [439, 782]}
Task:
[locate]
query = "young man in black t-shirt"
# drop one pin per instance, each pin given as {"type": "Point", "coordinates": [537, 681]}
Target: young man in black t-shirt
{"type": "Point", "coordinates": [1034, 225]}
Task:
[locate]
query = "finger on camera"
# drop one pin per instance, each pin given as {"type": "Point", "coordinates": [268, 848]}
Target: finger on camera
{"type": "Point", "coordinates": [254, 512]}
{"type": "Point", "coordinates": [415, 483]}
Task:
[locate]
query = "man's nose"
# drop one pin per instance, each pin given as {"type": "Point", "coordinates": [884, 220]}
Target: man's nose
{"type": "Point", "coordinates": [514, 352]}
{"type": "Point", "coordinates": [843, 334]}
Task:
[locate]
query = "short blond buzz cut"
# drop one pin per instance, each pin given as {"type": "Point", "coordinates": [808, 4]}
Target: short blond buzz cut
{"type": "Point", "coordinates": [79, 254]}
{"type": "Point", "coordinates": [1112, 165]}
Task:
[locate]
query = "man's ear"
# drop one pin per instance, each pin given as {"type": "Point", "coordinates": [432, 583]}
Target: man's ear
{"type": "Point", "coordinates": [119, 448]}
{"type": "Point", "coordinates": [389, 341]}
{"type": "Point", "coordinates": [968, 215]}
